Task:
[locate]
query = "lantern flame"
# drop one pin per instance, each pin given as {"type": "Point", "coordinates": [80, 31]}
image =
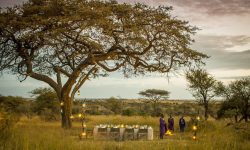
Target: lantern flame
{"type": "Point", "coordinates": [194, 128]}
{"type": "Point", "coordinates": [83, 105]}
{"type": "Point", "coordinates": [194, 137]}
{"type": "Point", "coordinates": [83, 134]}
{"type": "Point", "coordinates": [168, 132]}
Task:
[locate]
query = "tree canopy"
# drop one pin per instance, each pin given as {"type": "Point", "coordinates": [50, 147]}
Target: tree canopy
{"type": "Point", "coordinates": [237, 99]}
{"type": "Point", "coordinates": [81, 39]}
{"type": "Point", "coordinates": [203, 86]}
{"type": "Point", "coordinates": [154, 96]}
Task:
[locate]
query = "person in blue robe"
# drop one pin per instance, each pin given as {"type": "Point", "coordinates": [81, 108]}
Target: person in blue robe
{"type": "Point", "coordinates": [162, 126]}
{"type": "Point", "coordinates": [171, 123]}
{"type": "Point", "coordinates": [182, 124]}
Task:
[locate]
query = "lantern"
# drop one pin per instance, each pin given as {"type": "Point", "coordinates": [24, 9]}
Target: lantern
{"type": "Point", "coordinates": [194, 137]}
{"type": "Point", "coordinates": [194, 128]}
{"type": "Point", "coordinates": [83, 105]}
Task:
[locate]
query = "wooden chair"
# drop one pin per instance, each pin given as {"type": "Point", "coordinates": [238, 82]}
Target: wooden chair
{"type": "Point", "coordinates": [114, 134]}
{"type": "Point", "coordinates": [102, 133]}
{"type": "Point", "coordinates": [129, 134]}
{"type": "Point", "coordinates": [142, 134]}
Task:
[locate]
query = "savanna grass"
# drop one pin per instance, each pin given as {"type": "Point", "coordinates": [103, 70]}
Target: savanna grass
{"type": "Point", "coordinates": [35, 134]}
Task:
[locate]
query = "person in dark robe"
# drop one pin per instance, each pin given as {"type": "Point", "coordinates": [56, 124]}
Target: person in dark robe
{"type": "Point", "coordinates": [182, 124]}
{"type": "Point", "coordinates": [171, 123]}
{"type": "Point", "coordinates": [162, 126]}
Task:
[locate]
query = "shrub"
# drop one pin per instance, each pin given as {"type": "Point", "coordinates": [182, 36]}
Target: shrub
{"type": "Point", "coordinates": [129, 112]}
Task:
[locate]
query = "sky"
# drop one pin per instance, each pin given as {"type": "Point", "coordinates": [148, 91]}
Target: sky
{"type": "Point", "coordinates": [224, 36]}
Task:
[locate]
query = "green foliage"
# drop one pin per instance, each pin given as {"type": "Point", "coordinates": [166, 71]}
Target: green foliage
{"type": "Point", "coordinates": [203, 86]}
{"type": "Point", "coordinates": [11, 103]}
{"type": "Point", "coordinates": [83, 39]}
{"type": "Point", "coordinates": [115, 105]}
{"type": "Point", "coordinates": [154, 96]}
{"type": "Point", "coordinates": [46, 103]}
{"type": "Point", "coordinates": [129, 112]}
{"type": "Point", "coordinates": [237, 101]}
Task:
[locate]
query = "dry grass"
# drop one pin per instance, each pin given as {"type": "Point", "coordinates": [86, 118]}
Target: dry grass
{"type": "Point", "coordinates": [35, 134]}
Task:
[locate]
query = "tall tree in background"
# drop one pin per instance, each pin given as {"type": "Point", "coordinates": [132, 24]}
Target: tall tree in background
{"type": "Point", "coordinates": [237, 95]}
{"type": "Point", "coordinates": [82, 39]}
{"type": "Point", "coordinates": [154, 96]}
{"type": "Point", "coordinates": [45, 99]}
{"type": "Point", "coordinates": [203, 87]}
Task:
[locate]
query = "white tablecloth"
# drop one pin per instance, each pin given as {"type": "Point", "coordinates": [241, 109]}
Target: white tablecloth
{"type": "Point", "coordinates": [150, 135]}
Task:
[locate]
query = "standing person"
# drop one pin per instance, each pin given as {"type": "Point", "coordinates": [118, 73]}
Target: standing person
{"type": "Point", "coordinates": [162, 126]}
{"type": "Point", "coordinates": [171, 123]}
{"type": "Point", "coordinates": [182, 124]}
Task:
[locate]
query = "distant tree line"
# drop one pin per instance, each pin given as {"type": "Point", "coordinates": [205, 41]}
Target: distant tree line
{"type": "Point", "coordinates": [235, 105]}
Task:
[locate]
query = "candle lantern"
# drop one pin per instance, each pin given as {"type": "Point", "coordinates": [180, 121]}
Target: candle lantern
{"type": "Point", "coordinates": [195, 127]}
{"type": "Point", "coordinates": [82, 115]}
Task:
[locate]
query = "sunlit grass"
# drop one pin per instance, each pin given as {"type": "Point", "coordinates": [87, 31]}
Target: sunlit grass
{"type": "Point", "coordinates": [36, 134]}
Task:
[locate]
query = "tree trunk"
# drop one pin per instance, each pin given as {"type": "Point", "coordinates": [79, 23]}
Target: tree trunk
{"type": "Point", "coordinates": [66, 111]}
{"type": "Point", "coordinates": [206, 111]}
{"type": "Point", "coordinates": [236, 118]}
{"type": "Point", "coordinates": [246, 117]}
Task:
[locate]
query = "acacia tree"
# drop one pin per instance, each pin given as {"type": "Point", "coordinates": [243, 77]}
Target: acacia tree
{"type": "Point", "coordinates": [203, 87]}
{"type": "Point", "coordinates": [81, 39]}
{"type": "Point", "coordinates": [154, 96]}
{"type": "Point", "coordinates": [45, 99]}
{"type": "Point", "coordinates": [237, 95]}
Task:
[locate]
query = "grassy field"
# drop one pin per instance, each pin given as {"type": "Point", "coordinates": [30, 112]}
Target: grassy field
{"type": "Point", "coordinates": [35, 134]}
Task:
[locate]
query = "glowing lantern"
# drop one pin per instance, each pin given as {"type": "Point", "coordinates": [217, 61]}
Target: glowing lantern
{"type": "Point", "coordinates": [198, 118]}
{"type": "Point", "coordinates": [84, 125]}
{"type": "Point", "coordinates": [83, 105]}
{"type": "Point", "coordinates": [71, 117]}
{"type": "Point", "coordinates": [61, 103]}
{"type": "Point", "coordinates": [194, 128]}
{"type": "Point", "coordinates": [194, 137]}
{"type": "Point", "coordinates": [168, 132]}
{"type": "Point", "coordinates": [83, 134]}
{"type": "Point", "coordinates": [79, 115]}
{"type": "Point", "coordinates": [122, 126]}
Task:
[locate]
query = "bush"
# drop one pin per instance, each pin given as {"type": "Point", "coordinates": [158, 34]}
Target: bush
{"type": "Point", "coordinates": [115, 105]}
{"type": "Point", "coordinates": [129, 112]}
{"type": "Point", "coordinates": [49, 115]}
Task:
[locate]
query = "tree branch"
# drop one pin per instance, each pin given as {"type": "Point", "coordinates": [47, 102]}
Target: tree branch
{"type": "Point", "coordinates": [82, 80]}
